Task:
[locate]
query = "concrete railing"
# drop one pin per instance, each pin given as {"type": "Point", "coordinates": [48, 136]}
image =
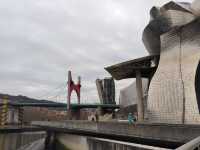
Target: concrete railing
{"type": "Point", "coordinates": [192, 145]}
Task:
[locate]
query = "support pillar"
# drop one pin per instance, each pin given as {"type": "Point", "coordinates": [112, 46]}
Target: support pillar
{"type": "Point", "coordinates": [69, 113]}
{"type": "Point", "coordinates": [100, 111]}
{"type": "Point", "coordinates": [69, 90]}
{"type": "Point", "coordinates": [20, 115]}
{"type": "Point", "coordinates": [75, 114]}
{"type": "Point", "coordinates": [140, 104]}
{"type": "Point", "coordinates": [50, 141]}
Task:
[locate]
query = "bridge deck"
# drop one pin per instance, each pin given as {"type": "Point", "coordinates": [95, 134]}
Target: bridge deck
{"type": "Point", "coordinates": [63, 105]}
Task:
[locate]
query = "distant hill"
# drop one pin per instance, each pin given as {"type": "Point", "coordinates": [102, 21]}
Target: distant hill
{"type": "Point", "coordinates": [23, 99]}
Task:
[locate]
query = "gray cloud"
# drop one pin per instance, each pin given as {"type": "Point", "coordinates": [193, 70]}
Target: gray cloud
{"type": "Point", "coordinates": [41, 40]}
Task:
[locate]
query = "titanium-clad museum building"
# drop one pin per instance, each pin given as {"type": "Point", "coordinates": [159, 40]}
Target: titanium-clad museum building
{"type": "Point", "coordinates": [172, 68]}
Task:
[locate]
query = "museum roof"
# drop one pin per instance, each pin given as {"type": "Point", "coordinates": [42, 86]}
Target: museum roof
{"type": "Point", "coordinates": [147, 65]}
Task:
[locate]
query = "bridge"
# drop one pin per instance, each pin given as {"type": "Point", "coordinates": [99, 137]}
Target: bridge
{"type": "Point", "coordinates": [63, 105]}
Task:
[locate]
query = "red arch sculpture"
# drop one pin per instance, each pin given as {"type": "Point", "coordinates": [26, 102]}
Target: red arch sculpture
{"type": "Point", "coordinates": [72, 86]}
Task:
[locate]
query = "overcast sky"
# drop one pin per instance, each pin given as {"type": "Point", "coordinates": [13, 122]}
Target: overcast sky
{"type": "Point", "coordinates": [40, 40]}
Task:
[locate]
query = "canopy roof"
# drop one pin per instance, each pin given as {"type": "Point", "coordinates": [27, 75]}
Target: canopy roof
{"type": "Point", "coordinates": [147, 66]}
